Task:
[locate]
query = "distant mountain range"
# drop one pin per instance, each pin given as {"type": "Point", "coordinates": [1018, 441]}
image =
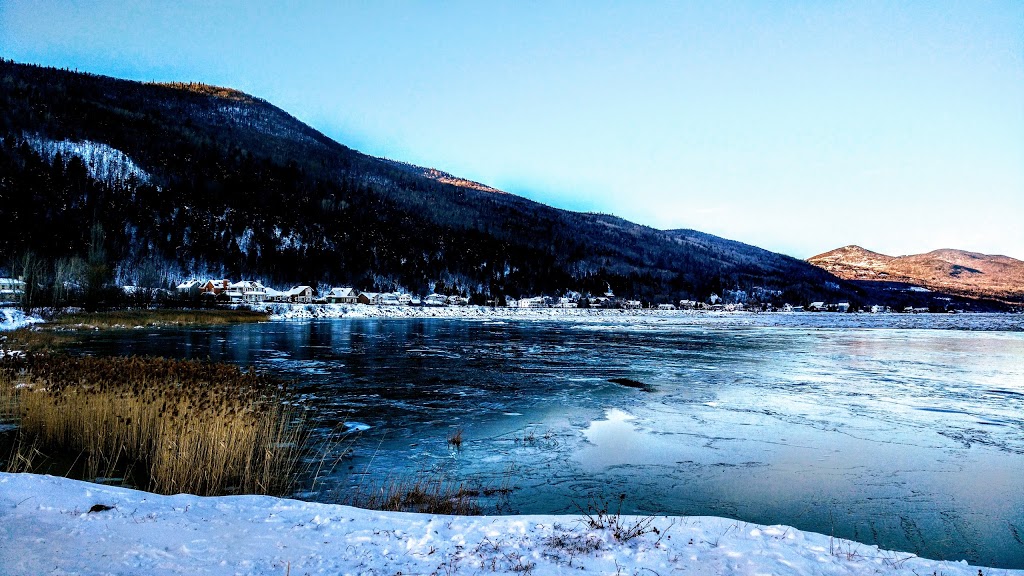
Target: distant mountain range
{"type": "Point", "coordinates": [968, 274]}
{"type": "Point", "coordinates": [148, 184]}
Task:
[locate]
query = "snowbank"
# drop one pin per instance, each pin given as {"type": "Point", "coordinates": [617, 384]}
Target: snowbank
{"type": "Point", "coordinates": [12, 319]}
{"type": "Point", "coordinates": [59, 526]}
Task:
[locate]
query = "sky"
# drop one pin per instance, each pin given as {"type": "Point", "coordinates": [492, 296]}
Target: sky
{"type": "Point", "coordinates": [798, 127]}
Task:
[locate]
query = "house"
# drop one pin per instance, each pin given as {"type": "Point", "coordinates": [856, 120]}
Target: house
{"type": "Point", "coordinates": [11, 290]}
{"type": "Point", "coordinates": [191, 288]}
{"type": "Point", "coordinates": [666, 306]}
{"type": "Point", "coordinates": [403, 298]}
{"type": "Point", "coordinates": [435, 300]}
{"type": "Point", "coordinates": [787, 307]}
{"type": "Point", "coordinates": [389, 299]}
{"type": "Point", "coordinates": [372, 298]}
{"type": "Point", "coordinates": [275, 295]}
{"type": "Point", "coordinates": [878, 309]}
{"type": "Point", "coordinates": [843, 306]}
{"type": "Point", "coordinates": [456, 300]}
{"type": "Point", "coordinates": [247, 291]}
{"type": "Point", "coordinates": [342, 296]}
{"type": "Point", "coordinates": [215, 287]}
{"type": "Point", "coordinates": [535, 302]}
{"type": "Point", "coordinates": [300, 295]}
{"type": "Point", "coordinates": [714, 299]}
{"type": "Point", "coordinates": [816, 307]}
{"type": "Point", "coordinates": [631, 305]}
{"type": "Point", "coordinates": [687, 304]}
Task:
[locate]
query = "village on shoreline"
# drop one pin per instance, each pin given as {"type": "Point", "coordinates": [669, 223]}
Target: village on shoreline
{"type": "Point", "coordinates": [255, 293]}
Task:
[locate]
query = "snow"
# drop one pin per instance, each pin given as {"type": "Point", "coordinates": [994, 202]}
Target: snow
{"type": "Point", "coordinates": [12, 319]}
{"type": "Point", "coordinates": [645, 318]}
{"type": "Point", "coordinates": [52, 525]}
{"type": "Point", "coordinates": [103, 162]}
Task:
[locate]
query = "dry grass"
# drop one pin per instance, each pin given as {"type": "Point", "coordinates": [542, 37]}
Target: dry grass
{"type": "Point", "coordinates": [195, 427]}
{"type": "Point", "coordinates": [61, 331]}
{"type": "Point", "coordinates": [162, 317]}
{"type": "Point", "coordinates": [34, 340]}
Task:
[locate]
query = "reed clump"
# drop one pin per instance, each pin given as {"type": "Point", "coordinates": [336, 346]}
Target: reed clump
{"type": "Point", "coordinates": [424, 494]}
{"type": "Point", "coordinates": [197, 427]}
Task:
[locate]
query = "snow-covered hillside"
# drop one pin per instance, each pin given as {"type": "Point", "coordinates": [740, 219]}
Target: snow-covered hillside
{"type": "Point", "coordinates": [103, 162]}
{"type": "Point", "coordinates": [54, 525]}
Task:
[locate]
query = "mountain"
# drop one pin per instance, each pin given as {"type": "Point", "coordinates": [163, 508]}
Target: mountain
{"type": "Point", "coordinates": [968, 274]}
{"type": "Point", "coordinates": [103, 179]}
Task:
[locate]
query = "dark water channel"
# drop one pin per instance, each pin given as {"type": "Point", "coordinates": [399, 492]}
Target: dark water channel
{"type": "Point", "coordinates": [911, 439]}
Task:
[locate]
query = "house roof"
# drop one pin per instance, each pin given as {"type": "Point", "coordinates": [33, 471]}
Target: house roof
{"type": "Point", "coordinates": [298, 290]}
{"type": "Point", "coordinates": [343, 292]}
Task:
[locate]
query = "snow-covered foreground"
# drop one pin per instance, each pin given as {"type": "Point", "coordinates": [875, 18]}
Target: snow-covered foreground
{"type": "Point", "coordinates": [54, 525]}
{"type": "Point", "coordinates": [12, 319]}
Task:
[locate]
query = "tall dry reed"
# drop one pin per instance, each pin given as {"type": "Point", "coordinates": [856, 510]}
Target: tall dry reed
{"type": "Point", "coordinates": [195, 427]}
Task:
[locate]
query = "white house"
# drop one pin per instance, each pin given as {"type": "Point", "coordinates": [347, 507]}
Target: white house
{"type": "Point", "coordinates": [435, 300]}
{"type": "Point", "coordinates": [843, 306]}
{"type": "Point", "coordinates": [816, 306]}
{"type": "Point", "coordinates": [11, 289]}
{"type": "Point", "coordinates": [342, 296]}
{"type": "Point", "coordinates": [456, 300]}
{"type": "Point", "coordinates": [666, 306]}
{"type": "Point", "coordinates": [247, 291]}
{"type": "Point", "coordinates": [631, 305]}
{"type": "Point", "coordinates": [275, 295]}
{"type": "Point", "coordinates": [535, 302]}
{"type": "Point", "coordinates": [389, 299]}
{"type": "Point", "coordinates": [190, 288]}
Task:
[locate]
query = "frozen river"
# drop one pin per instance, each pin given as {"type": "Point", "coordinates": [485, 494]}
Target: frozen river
{"type": "Point", "coordinates": [901, 431]}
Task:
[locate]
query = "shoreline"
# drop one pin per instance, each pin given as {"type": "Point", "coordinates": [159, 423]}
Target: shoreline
{"type": "Point", "coordinates": [51, 524]}
{"type": "Point", "coordinates": [974, 321]}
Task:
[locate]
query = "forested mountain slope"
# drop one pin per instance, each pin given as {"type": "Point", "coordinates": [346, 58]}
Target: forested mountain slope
{"type": "Point", "coordinates": [156, 182]}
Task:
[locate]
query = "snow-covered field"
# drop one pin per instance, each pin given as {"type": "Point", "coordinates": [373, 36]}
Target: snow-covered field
{"type": "Point", "coordinates": [54, 525]}
{"type": "Point", "coordinates": [12, 319]}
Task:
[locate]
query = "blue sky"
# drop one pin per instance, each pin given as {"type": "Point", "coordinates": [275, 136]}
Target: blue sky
{"type": "Point", "coordinates": [898, 126]}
